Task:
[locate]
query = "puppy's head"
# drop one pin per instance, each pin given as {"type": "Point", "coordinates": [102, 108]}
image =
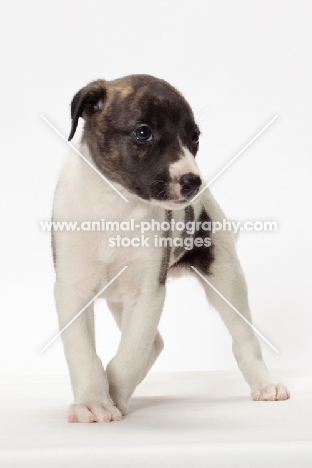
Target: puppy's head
{"type": "Point", "coordinates": [141, 133]}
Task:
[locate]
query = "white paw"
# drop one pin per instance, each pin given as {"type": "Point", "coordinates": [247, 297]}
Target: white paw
{"type": "Point", "coordinates": [272, 392]}
{"type": "Point", "coordinates": [123, 407]}
{"type": "Point", "coordinates": [119, 399]}
{"type": "Point", "coordinates": [94, 412]}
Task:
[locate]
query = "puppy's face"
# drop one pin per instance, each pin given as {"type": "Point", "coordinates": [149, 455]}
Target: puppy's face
{"type": "Point", "coordinates": [141, 134]}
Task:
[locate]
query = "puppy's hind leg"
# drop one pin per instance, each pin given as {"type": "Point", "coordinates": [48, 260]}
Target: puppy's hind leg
{"type": "Point", "coordinates": [116, 309]}
{"type": "Point", "coordinates": [140, 319]}
{"type": "Point", "coordinates": [157, 347]}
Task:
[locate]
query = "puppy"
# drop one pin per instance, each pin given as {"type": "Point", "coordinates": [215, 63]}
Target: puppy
{"type": "Point", "coordinates": [140, 134]}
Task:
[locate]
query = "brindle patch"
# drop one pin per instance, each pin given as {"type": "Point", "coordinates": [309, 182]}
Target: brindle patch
{"type": "Point", "coordinates": [123, 90]}
{"type": "Point", "coordinates": [166, 252]}
{"type": "Point", "coordinates": [199, 257]}
{"type": "Point", "coordinates": [188, 216]}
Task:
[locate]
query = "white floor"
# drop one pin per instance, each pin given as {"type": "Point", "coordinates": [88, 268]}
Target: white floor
{"type": "Point", "coordinates": [189, 419]}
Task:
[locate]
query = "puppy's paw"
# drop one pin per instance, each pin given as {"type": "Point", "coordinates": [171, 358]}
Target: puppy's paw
{"type": "Point", "coordinates": [123, 407]}
{"type": "Point", "coordinates": [93, 412]}
{"type": "Point", "coordinates": [119, 399]}
{"type": "Point", "coordinates": [272, 392]}
{"type": "Point", "coordinates": [121, 386]}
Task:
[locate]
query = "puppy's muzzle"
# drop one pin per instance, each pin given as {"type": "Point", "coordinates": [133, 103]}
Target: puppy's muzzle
{"type": "Point", "coordinates": [189, 185]}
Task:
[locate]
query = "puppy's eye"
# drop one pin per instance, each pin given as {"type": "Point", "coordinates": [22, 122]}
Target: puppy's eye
{"type": "Point", "coordinates": [195, 138]}
{"type": "Point", "coordinates": [143, 134]}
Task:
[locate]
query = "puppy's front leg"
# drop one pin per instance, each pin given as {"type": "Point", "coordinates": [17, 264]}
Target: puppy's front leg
{"type": "Point", "coordinates": [88, 378]}
{"type": "Point", "coordinates": [227, 277]}
{"type": "Point", "coordinates": [138, 331]}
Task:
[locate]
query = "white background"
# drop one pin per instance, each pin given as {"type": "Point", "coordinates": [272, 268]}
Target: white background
{"type": "Point", "coordinates": [242, 62]}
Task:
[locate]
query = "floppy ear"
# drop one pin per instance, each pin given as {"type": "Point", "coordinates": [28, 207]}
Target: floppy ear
{"type": "Point", "coordinates": [86, 102]}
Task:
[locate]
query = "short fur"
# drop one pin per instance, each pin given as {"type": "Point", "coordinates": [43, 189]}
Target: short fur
{"type": "Point", "coordinates": [149, 174]}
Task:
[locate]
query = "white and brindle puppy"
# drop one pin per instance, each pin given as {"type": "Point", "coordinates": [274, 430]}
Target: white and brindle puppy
{"type": "Point", "coordinates": [140, 133]}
